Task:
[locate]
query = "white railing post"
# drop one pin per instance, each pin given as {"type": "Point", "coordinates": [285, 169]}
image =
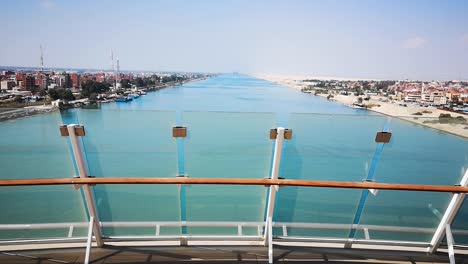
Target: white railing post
{"type": "Point", "coordinates": [90, 240]}
{"type": "Point", "coordinates": [450, 242]}
{"type": "Point", "coordinates": [270, 241]}
{"type": "Point", "coordinates": [83, 173]}
{"type": "Point", "coordinates": [449, 215]}
{"type": "Point", "coordinates": [274, 176]}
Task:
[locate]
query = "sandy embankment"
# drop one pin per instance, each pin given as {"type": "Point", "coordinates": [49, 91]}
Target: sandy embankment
{"type": "Point", "coordinates": [15, 113]}
{"type": "Point", "coordinates": [386, 108]}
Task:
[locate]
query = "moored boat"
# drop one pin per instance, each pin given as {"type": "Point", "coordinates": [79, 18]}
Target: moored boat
{"type": "Point", "coordinates": [123, 99]}
{"type": "Point", "coordinates": [133, 95]}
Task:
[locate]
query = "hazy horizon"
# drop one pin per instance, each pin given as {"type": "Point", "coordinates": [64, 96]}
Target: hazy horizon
{"type": "Point", "coordinates": [423, 40]}
{"type": "Point", "coordinates": [255, 75]}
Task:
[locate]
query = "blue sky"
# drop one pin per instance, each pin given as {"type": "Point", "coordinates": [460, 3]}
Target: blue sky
{"type": "Point", "coordinates": [358, 39]}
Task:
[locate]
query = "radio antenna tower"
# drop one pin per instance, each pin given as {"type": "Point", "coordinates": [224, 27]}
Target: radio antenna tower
{"type": "Point", "coordinates": [117, 79]}
{"type": "Point", "coordinates": [118, 66]}
{"type": "Point", "coordinates": [42, 58]}
{"type": "Point", "coordinates": [113, 69]}
{"type": "Point", "coordinates": [112, 60]}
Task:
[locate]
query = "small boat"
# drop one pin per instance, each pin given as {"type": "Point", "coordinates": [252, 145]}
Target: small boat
{"type": "Point", "coordinates": [357, 106]}
{"type": "Point", "coordinates": [123, 99]}
{"type": "Point", "coordinates": [133, 95]}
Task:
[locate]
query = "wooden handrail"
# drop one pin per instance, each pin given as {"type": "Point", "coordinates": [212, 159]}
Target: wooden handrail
{"type": "Point", "coordinates": [238, 181]}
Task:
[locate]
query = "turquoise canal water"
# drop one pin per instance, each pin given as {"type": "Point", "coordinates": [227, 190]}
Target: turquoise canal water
{"type": "Point", "coordinates": [234, 93]}
{"type": "Point", "coordinates": [228, 119]}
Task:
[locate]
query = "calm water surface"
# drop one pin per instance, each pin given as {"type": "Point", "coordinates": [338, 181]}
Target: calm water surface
{"type": "Point", "coordinates": [228, 119]}
{"type": "Point", "coordinates": [234, 93]}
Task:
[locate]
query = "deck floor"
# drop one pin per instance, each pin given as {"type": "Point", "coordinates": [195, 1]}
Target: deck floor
{"type": "Point", "coordinates": [220, 254]}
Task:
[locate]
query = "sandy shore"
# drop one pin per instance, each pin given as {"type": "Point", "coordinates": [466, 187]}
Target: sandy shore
{"type": "Point", "coordinates": [429, 117]}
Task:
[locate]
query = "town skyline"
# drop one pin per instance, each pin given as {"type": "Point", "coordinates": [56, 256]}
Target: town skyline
{"type": "Point", "coordinates": [305, 76]}
{"type": "Point", "coordinates": [400, 40]}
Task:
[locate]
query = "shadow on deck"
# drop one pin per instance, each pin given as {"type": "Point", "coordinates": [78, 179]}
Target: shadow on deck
{"type": "Point", "coordinates": [222, 254]}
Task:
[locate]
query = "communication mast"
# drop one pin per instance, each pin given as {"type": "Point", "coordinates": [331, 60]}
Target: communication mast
{"type": "Point", "coordinates": [118, 66]}
{"type": "Point", "coordinates": [42, 58]}
{"type": "Point", "coordinates": [117, 79]}
{"type": "Point", "coordinates": [113, 69]}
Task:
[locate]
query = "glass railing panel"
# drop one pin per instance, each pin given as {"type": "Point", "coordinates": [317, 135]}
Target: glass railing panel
{"type": "Point", "coordinates": [31, 147]}
{"type": "Point", "coordinates": [224, 203]}
{"type": "Point", "coordinates": [324, 147]}
{"type": "Point", "coordinates": [460, 225]}
{"type": "Point", "coordinates": [132, 144]}
{"type": "Point", "coordinates": [316, 206]}
{"type": "Point", "coordinates": [226, 145]}
{"type": "Point", "coordinates": [137, 203]}
{"type": "Point", "coordinates": [41, 205]}
{"type": "Point", "coordinates": [415, 155]}
{"type": "Point", "coordinates": [129, 143]}
{"type": "Point", "coordinates": [405, 209]}
{"type": "Point", "coordinates": [422, 155]}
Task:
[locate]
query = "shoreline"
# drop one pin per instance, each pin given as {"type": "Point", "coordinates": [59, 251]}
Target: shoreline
{"type": "Point", "coordinates": [385, 108]}
{"type": "Point", "coordinates": [10, 114]}
{"type": "Point", "coordinates": [17, 113]}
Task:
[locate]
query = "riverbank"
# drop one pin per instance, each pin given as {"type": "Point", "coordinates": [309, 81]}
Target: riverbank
{"type": "Point", "coordinates": [11, 113]}
{"type": "Point", "coordinates": [16, 113]}
{"type": "Point", "coordinates": [425, 116]}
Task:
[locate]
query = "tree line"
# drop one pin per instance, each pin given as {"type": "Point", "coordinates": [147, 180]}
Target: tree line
{"type": "Point", "coordinates": [91, 88]}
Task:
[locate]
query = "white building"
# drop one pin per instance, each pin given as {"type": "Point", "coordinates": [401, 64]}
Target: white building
{"type": "Point", "coordinates": [7, 85]}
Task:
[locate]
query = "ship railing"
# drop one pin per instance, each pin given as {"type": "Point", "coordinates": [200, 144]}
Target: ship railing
{"type": "Point", "coordinates": [265, 230]}
{"type": "Point", "coordinates": [443, 229]}
{"type": "Point", "coordinates": [160, 225]}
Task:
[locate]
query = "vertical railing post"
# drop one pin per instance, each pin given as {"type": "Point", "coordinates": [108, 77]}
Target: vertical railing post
{"type": "Point", "coordinates": [179, 132]}
{"type": "Point", "coordinates": [273, 188]}
{"type": "Point", "coordinates": [449, 215]}
{"type": "Point", "coordinates": [450, 242]}
{"type": "Point", "coordinates": [89, 241]}
{"type": "Point", "coordinates": [83, 173]}
{"type": "Point", "coordinates": [270, 241]}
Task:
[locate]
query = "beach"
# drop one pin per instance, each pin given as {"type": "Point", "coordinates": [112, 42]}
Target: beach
{"type": "Point", "coordinates": [427, 116]}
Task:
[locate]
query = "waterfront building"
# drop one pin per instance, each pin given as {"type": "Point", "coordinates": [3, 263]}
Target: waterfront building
{"type": "Point", "coordinates": [100, 77]}
{"type": "Point", "coordinates": [28, 82]}
{"type": "Point", "coordinates": [439, 100]}
{"type": "Point", "coordinates": [7, 85]}
{"type": "Point", "coordinates": [453, 94]}
{"type": "Point", "coordinates": [75, 79]}
{"type": "Point", "coordinates": [63, 80]}
{"type": "Point", "coordinates": [42, 80]}
{"type": "Point", "coordinates": [426, 97]}
{"type": "Point", "coordinates": [67, 81]}
{"type": "Point", "coordinates": [20, 77]}
{"type": "Point", "coordinates": [412, 97]}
